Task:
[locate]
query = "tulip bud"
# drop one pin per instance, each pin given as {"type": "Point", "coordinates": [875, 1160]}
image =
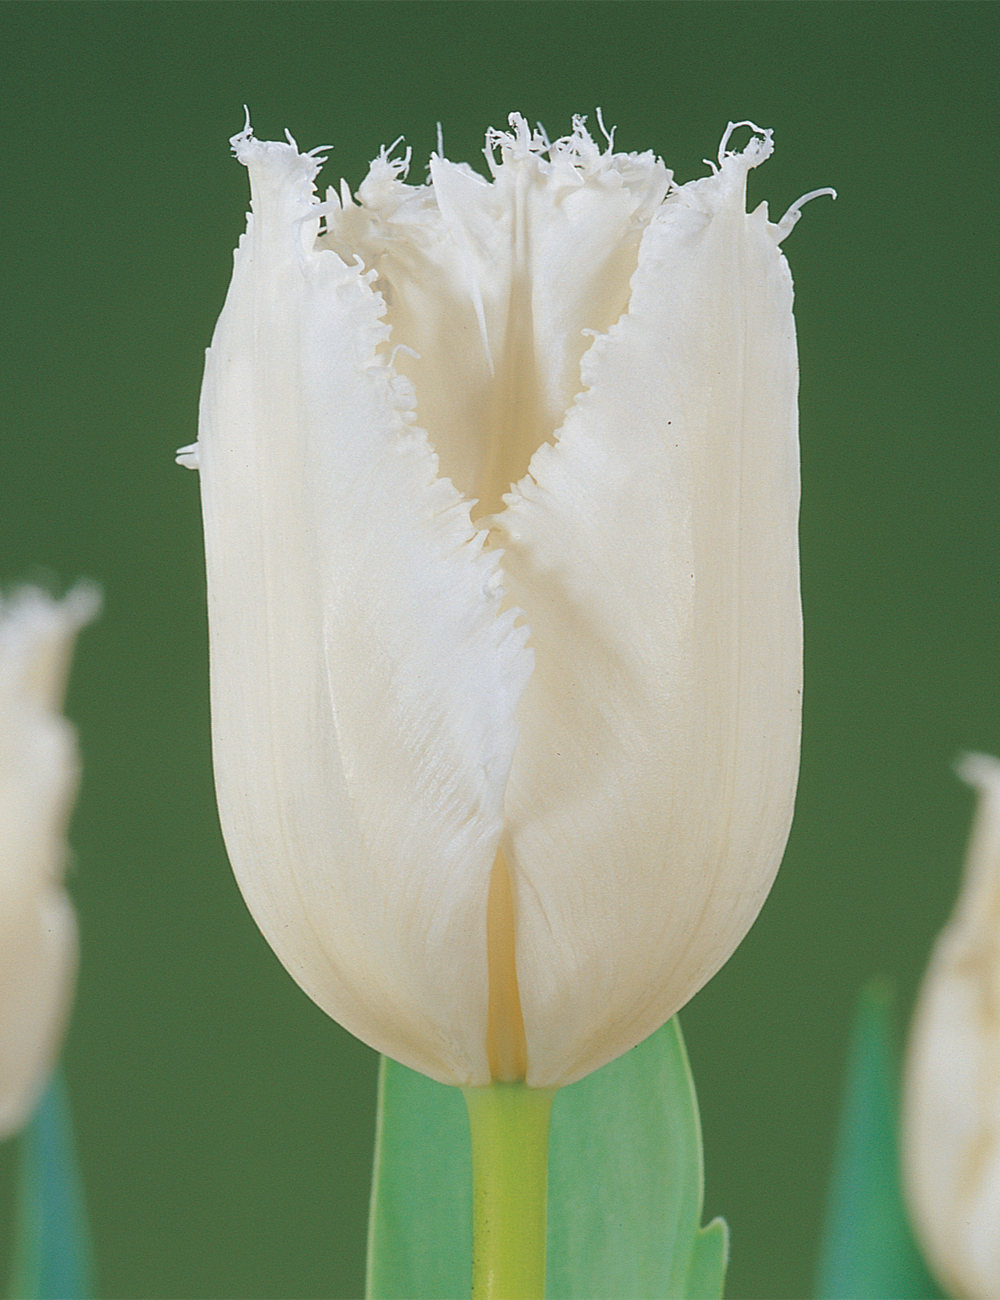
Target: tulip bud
{"type": "Point", "coordinates": [951, 1100]}
{"type": "Point", "coordinates": [38, 779]}
{"type": "Point", "coordinates": [500, 494]}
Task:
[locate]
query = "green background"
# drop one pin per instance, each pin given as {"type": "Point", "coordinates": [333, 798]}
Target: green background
{"type": "Point", "coordinates": [225, 1124]}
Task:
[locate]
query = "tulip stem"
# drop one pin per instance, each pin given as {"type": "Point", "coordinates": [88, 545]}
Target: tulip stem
{"type": "Point", "coordinates": [510, 1166]}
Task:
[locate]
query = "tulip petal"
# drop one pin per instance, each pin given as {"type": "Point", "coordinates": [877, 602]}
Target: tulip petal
{"type": "Point", "coordinates": [37, 976]}
{"type": "Point", "coordinates": [951, 1113]}
{"type": "Point", "coordinates": [38, 780]}
{"type": "Point", "coordinates": [653, 549]}
{"type": "Point", "coordinates": [383, 749]}
{"type": "Point", "coordinates": [490, 286]}
{"type": "Point", "coordinates": [364, 674]}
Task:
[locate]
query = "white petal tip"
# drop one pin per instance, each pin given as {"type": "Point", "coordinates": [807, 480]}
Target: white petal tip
{"type": "Point", "coordinates": [82, 604]}
{"type": "Point", "coordinates": [249, 150]}
{"type": "Point", "coordinates": [241, 141]}
{"type": "Point", "coordinates": [35, 612]}
{"type": "Point", "coordinates": [188, 456]}
{"type": "Point", "coordinates": [979, 770]}
{"type": "Point", "coordinates": [761, 145]}
{"type": "Point", "coordinates": [795, 211]}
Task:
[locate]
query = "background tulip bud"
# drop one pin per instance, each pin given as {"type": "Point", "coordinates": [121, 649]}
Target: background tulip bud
{"type": "Point", "coordinates": [38, 778]}
{"type": "Point", "coordinates": [500, 492]}
{"type": "Point", "coordinates": [951, 1116]}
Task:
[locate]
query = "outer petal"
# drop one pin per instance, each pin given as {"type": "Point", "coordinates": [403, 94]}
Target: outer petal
{"type": "Point", "coordinates": [38, 777]}
{"type": "Point", "coordinates": [364, 680]}
{"type": "Point", "coordinates": [654, 551]}
{"type": "Point", "coordinates": [951, 1113]}
{"type": "Point", "coordinates": [37, 978]}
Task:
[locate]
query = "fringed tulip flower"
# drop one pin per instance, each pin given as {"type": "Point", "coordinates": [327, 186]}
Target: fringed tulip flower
{"type": "Point", "coordinates": [500, 490]}
{"type": "Point", "coordinates": [951, 1118]}
{"type": "Point", "coordinates": [38, 778]}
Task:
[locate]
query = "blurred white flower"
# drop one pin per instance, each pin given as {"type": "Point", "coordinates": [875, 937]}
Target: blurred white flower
{"type": "Point", "coordinates": [38, 779]}
{"type": "Point", "coordinates": [951, 1103]}
{"type": "Point", "coordinates": [500, 490]}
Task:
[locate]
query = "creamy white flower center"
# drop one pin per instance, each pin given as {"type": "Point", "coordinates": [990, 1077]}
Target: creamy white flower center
{"type": "Point", "coordinates": [494, 287]}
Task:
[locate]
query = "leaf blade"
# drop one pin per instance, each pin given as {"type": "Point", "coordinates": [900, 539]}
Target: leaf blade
{"type": "Point", "coordinates": [53, 1258]}
{"type": "Point", "coordinates": [626, 1156]}
{"type": "Point", "coordinates": [868, 1251]}
{"type": "Point", "coordinates": [420, 1225]}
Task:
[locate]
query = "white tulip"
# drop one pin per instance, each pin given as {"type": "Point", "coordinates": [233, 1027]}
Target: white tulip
{"type": "Point", "coordinates": [951, 1113]}
{"type": "Point", "coordinates": [500, 488]}
{"type": "Point", "coordinates": [38, 778]}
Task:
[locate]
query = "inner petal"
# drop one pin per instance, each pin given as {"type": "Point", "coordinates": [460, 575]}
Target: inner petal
{"type": "Point", "coordinates": [494, 285]}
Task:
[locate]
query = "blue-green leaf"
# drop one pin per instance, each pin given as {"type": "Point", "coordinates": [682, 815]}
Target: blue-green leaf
{"type": "Point", "coordinates": [420, 1225]}
{"type": "Point", "coordinates": [52, 1252]}
{"type": "Point", "coordinates": [625, 1183]}
{"type": "Point", "coordinates": [708, 1263]}
{"type": "Point", "coordinates": [625, 1186]}
{"type": "Point", "coordinates": [868, 1251]}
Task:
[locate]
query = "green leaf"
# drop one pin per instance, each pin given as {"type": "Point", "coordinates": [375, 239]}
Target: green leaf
{"type": "Point", "coordinates": [420, 1224]}
{"type": "Point", "coordinates": [52, 1252]}
{"type": "Point", "coordinates": [708, 1263]}
{"type": "Point", "coordinates": [625, 1186]}
{"type": "Point", "coordinates": [626, 1182]}
{"type": "Point", "coordinates": [868, 1251]}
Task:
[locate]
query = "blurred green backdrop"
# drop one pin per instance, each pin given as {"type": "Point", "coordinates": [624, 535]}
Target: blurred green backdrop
{"type": "Point", "coordinates": [225, 1124]}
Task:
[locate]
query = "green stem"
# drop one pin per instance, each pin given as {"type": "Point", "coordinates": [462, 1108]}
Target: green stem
{"type": "Point", "coordinates": [510, 1163]}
